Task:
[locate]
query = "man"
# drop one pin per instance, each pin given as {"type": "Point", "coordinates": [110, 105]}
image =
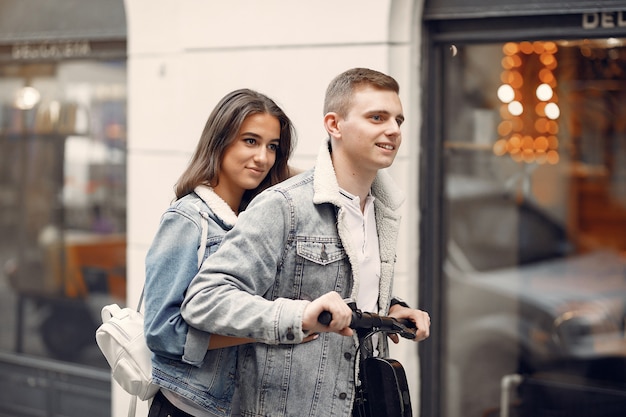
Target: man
{"type": "Point", "coordinates": [325, 235]}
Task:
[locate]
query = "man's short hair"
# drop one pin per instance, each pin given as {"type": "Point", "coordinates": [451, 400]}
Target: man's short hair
{"type": "Point", "coordinates": [342, 87]}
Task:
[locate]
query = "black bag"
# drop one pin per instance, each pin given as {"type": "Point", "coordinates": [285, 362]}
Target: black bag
{"type": "Point", "coordinates": [384, 391]}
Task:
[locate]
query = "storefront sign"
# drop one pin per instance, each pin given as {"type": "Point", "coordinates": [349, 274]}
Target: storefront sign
{"type": "Point", "coordinates": [51, 50]}
{"type": "Point", "coordinates": [604, 20]}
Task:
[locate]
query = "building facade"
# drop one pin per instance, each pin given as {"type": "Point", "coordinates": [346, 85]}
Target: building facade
{"type": "Point", "coordinates": [183, 57]}
{"type": "Point", "coordinates": [512, 163]}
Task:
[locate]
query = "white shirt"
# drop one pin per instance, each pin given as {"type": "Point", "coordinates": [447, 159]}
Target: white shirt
{"type": "Point", "coordinates": [362, 226]}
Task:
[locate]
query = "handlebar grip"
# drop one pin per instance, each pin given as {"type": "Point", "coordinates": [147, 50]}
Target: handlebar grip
{"type": "Point", "coordinates": [370, 321]}
{"type": "Point", "coordinates": [325, 318]}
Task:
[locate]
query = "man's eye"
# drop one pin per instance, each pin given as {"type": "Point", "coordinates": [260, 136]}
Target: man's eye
{"type": "Point", "coordinates": [377, 117]}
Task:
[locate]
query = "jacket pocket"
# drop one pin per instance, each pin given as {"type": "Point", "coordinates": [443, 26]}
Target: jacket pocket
{"type": "Point", "coordinates": [322, 252]}
{"type": "Point", "coordinates": [321, 267]}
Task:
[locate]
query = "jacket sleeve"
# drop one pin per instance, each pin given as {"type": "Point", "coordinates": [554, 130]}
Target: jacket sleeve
{"type": "Point", "coordinates": [171, 263]}
{"type": "Point", "coordinates": [397, 300]}
{"type": "Point", "coordinates": [231, 295]}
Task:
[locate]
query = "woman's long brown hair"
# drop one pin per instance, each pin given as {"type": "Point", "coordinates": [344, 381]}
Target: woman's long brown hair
{"type": "Point", "coordinates": [221, 130]}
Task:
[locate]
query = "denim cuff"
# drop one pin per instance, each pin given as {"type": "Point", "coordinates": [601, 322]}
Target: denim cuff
{"type": "Point", "coordinates": [289, 320]}
{"type": "Point", "coordinates": [196, 346]}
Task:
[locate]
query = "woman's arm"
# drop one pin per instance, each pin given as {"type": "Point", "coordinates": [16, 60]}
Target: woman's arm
{"type": "Point", "coordinates": [218, 341]}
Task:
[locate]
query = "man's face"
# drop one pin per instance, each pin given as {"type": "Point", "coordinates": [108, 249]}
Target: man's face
{"type": "Point", "coordinates": [370, 133]}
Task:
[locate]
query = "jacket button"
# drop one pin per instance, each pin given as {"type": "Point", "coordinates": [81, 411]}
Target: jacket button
{"type": "Point", "coordinates": [347, 355]}
{"type": "Point", "coordinates": [290, 336]}
{"type": "Point", "coordinates": [343, 396]}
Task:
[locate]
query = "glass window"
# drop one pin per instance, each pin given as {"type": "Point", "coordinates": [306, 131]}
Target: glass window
{"type": "Point", "coordinates": [62, 204]}
{"type": "Point", "coordinates": [534, 268]}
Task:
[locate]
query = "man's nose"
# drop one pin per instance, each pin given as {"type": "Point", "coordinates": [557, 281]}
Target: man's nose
{"type": "Point", "coordinates": [393, 128]}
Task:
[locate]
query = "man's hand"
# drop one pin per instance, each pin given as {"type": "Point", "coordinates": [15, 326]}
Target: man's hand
{"type": "Point", "coordinates": [335, 305]}
{"type": "Point", "coordinates": [419, 317]}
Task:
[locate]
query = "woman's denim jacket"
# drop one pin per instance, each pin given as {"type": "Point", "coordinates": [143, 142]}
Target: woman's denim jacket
{"type": "Point", "coordinates": [171, 263]}
{"type": "Point", "coordinates": [290, 246]}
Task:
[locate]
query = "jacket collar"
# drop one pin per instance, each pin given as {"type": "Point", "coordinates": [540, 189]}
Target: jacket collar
{"type": "Point", "coordinates": [326, 188]}
{"type": "Point", "coordinates": [216, 204]}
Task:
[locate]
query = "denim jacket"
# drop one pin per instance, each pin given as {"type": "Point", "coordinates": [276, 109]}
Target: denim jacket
{"type": "Point", "coordinates": [291, 245]}
{"type": "Point", "coordinates": [171, 263]}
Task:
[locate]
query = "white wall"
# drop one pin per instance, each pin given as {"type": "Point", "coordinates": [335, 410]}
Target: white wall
{"type": "Point", "coordinates": [183, 56]}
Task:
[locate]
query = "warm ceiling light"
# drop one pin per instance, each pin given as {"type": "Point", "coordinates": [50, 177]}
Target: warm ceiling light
{"type": "Point", "coordinates": [510, 48]}
{"type": "Point", "coordinates": [506, 94]}
{"type": "Point", "coordinates": [544, 92]}
{"type": "Point", "coordinates": [553, 157]}
{"type": "Point", "coordinates": [553, 142]}
{"type": "Point", "coordinates": [505, 128]}
{"type": "Point", "coordinates": [516, 108]}
{"type": "Point", "coordinates": [27, 97]}
{"type": "Point", "coordinates": [546, 76]}
{"type": "Point", "coordinates": [527, 137]}
{"type": "Point", "coordinates": [550, 47]}
{"type": "Point", "coordinates": [552, 111]}
{"type": "Point", "coordinates": [526, 47]}
{"type": "Point", "coordinates": [499, 148]}
{"type": "Point", "coordinates": [541, 144]}
{"type": "Point", "coordinates": [547, 59]}
{"type": "Point", "coordinates": [517, 79]}
{"type": "Point", "coordinates": [538, 47]}
{"type": "Point", "coordinates": [612, 42]}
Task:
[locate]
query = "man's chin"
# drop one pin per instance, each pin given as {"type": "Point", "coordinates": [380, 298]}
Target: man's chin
{"type": "Point", "coordinates": [387, 162]}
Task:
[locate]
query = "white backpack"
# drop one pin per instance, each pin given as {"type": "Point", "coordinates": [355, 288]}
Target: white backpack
{"type": "Point", "coordinates": [120, 338]}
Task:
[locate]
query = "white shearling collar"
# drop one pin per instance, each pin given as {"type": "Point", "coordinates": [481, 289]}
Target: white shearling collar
{"type": "Point", "coordinates": [217, 205]}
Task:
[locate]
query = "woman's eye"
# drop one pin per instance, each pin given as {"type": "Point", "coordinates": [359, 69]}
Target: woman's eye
{"type": "Point", "coordinates": [250, 141]}
{"type": "Point", "coordinates": [273, 147]}
{"type": "Point", "coordinates": [377, 117]}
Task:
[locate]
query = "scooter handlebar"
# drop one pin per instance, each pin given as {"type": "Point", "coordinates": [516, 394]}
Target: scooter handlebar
{"type": "Point", "coordinates": [372, 321]}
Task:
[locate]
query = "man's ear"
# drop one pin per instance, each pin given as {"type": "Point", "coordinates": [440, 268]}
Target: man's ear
{"type": "Point", "coordinates": [331, 124]}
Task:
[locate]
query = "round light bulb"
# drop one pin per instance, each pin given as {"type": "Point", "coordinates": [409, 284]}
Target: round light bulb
{"type": "Point", "coordinates": [516, 108]}
{"type": "Point", "coordinates": [544, 92]}
{"type": "Point", "coordinates": [27, 97]}
{"type": "Point", "coordinates": [552, 111]}
{"type": "Point", "coordinates": [506, 94]}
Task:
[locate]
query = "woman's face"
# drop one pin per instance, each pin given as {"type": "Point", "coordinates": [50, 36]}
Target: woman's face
{"type": "Point", "coordinates": [249, 158]}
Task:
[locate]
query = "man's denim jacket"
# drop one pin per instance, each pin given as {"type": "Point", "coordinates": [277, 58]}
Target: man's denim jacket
{"type": "Point", "coordinates": [291, 246]}
{"type": "Point", "coordinates": [171, 264]}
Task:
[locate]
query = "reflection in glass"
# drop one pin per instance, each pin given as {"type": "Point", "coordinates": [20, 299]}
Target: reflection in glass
{"type": "Point", "coordinates": [63, 205]}
{"type": "Point", "coordinates": [535, 187]}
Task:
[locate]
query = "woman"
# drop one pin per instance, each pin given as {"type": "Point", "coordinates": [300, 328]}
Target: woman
{"type": "Point", "coordinates": [243, 149]}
